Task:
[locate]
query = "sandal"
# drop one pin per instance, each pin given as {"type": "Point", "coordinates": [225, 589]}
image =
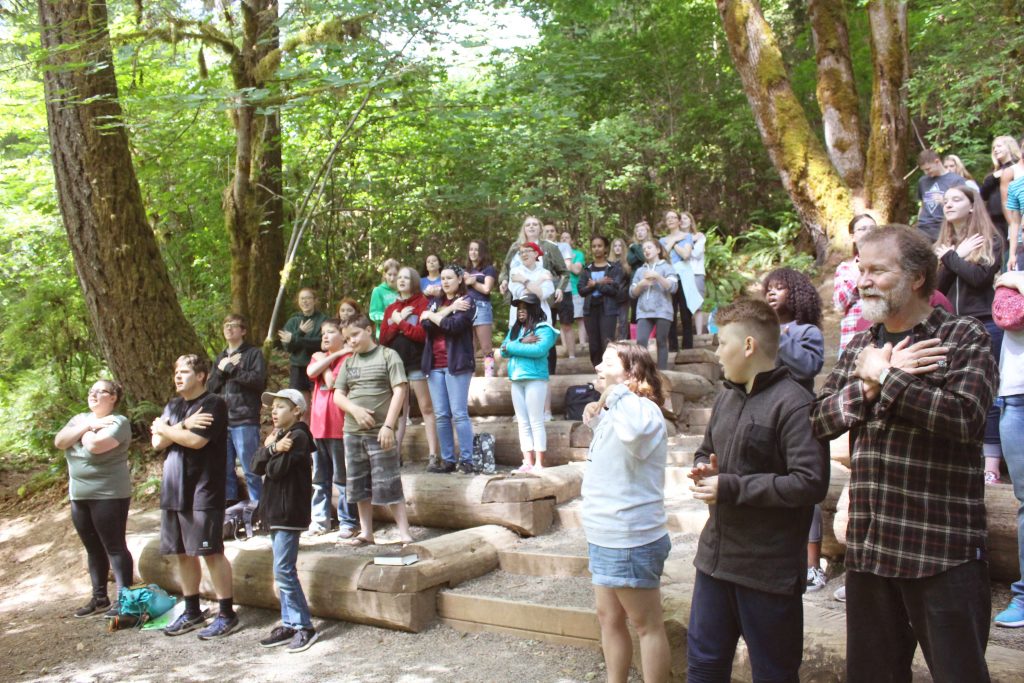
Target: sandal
{"type": "Point", "coordinates": [356, 542]}
{"type": "Point", "coordinates": [525, 467]}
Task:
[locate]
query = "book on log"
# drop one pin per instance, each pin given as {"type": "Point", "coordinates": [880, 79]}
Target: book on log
{"type": "Point", "coordinates": [396, 560]}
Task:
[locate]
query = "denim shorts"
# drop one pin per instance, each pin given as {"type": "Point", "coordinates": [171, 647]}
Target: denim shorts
{"type": "Point", "coordinates": [638, 567]}
{"type": "Point", "coordinates": [484, 313]}
{"type": "Point", "coordinates": [415, 375]}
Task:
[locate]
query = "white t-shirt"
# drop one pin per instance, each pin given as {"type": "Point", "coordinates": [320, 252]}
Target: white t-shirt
{"type": "Point", "coordinates": [517, 289]}
{"type": "Point", "coordinates": [1011, 364]}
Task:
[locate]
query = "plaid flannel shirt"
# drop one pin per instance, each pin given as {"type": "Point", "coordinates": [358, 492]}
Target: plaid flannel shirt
{"type": "Point", "coordinates": [917, 492]}
{"type": "Point", "coordinates": [846, 299]}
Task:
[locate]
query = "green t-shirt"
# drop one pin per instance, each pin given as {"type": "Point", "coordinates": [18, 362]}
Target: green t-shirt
{"type": "Point", "coordinates": [577, 257]}
{"type": "Point", "coordinates": [368, 379]}
{"type": "Point", "coordinates": [102, 476]}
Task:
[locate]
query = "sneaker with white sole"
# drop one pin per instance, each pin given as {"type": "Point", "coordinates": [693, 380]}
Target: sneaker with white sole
{"type": "Point", "coordinates": [840, 594]}
{"type": "Point", "coordinates": [281, 635]}
{"type": "Point", "coordinates": [302, 640]}
{"type": "Point", "coordinates": [222, 625]}
{"type": "Point", "coordinates": [185, 623]}
{"type": "Point", "coordinates": [815, 579]}
{"type": "Point", "coordinates": [1012, 616]}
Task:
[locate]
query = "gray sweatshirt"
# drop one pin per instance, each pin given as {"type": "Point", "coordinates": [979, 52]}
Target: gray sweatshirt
{"type": "Point", "coordinates": [654, 301]}
{"type": "Point", "coordinates": [802, 350]}
{"type": "Point", "coordinates": [624, 485]}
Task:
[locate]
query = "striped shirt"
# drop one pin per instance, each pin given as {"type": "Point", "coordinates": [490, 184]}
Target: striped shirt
{"type": "Point", "coordinates": [917, 498]}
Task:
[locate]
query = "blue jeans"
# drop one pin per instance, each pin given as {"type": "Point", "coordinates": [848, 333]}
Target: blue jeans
{"type": "Point", "coordinates": [450, 395]}
{"type": "Point", "coordinates": [1011, 429]}
{"type": "Point", "coordinates": [243, 441]}
{"type": "Point", "coordinates": [328, 470]}
{"type": "Point", "coordinates": [294, 610]}
{"type": "Point", "coordinates": [772, 626]}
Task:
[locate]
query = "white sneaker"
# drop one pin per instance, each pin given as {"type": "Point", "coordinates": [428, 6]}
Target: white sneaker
{"type": "Point", "coordinates": [840, 594]}
{"type": "Point", "coordinates": [815, 579]}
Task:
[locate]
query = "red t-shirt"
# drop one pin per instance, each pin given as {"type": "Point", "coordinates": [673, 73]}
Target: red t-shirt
{"type": "Point", "coordinates": [326, 420]}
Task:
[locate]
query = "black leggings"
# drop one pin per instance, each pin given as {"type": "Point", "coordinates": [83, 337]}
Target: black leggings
{"type": "Point", "coordinates": [600, 331]}
{"type": "Point", "coordinates": [682, 311]}
{"type": "Point", "coordinates": [101, 526]}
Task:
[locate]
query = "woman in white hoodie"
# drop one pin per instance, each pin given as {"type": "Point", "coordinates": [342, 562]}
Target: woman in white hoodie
{"type": "Point", "coordinates": [624, 510]}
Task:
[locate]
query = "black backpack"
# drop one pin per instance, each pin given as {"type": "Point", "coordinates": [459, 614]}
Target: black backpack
{"type": "Point", "coordinates": [241, 521]}
{"type": "Point", "coordinates": [576, 399]}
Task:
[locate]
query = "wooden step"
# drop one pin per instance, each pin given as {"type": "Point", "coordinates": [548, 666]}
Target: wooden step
{"type": "Point", "coordinates": [527, 607]}
{"type": "Point", "coordinates": [529, 563]}
{"type": "Point", "coordinates": [568, 441]}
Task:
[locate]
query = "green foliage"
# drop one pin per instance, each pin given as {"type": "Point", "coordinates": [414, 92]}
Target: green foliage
{"type": "Point", "coordinates": [723, 280]}
{"type": "Point", "coordinates": [763, 247]}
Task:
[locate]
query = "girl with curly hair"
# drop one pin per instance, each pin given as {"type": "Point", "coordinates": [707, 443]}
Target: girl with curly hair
{"type": "Point", "coordinates": [801, 349]}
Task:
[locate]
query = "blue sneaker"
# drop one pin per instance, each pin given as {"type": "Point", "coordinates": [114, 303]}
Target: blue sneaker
{"type": "Point", "coordinates": [1012, 616]}
{"type": "Point", "coordinates": [221, 626]}
{"type": "Point", "coordinates": [185, 623]}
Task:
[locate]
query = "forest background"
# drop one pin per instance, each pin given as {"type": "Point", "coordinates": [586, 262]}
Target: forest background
{"type": "Point", "coordinates": [407, 127]}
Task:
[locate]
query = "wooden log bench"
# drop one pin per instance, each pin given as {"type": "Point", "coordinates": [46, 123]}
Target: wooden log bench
{"type": "Point", "coordinates": [346, 586]}
{"type": "Point", "coordinates": [524, 503]}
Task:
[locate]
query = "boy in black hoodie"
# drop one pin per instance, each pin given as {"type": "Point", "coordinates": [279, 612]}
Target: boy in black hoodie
{"type": "Point", "coordinates": [761, 471]}
{"type": "Point", "coordinates": [286, 466]}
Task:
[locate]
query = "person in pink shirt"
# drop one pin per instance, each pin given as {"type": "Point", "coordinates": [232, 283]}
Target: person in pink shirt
{"type": "Point", "coordinates": [326, 421]}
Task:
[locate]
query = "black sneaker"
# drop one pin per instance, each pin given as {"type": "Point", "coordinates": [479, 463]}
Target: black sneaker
{"type": "Point", "coordinates": [302, 639]}
{"type": "Point", "coordinates": [281, 635]}
{"type": "Point", "coordinates": [185, 623]}
{"type": "Point", "coordinates": [222, 625]}
{"type": "Point", "coordinates": [464, 468]}
{"type": "Point", "coordinates": [114, 611]}
{"type": "Point", "coordinates": [442, 468]}
{"type": "Point", "coordinates": [94, 606]}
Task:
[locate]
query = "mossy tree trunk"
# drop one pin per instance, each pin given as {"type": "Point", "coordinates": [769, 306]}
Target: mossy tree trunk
{"type": "Point", "coordinates": [817, 191]}
{"type": "Point", "coordinates": [889, 147]}
{"type": "Point", "coordinates": [253, 205]}
{"type": "Point", "coordinates": [837, 94]}
{"type": "Point", "coordinates": [128, 293]}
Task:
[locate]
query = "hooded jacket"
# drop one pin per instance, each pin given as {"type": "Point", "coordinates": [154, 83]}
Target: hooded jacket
{"type": "Point", "coordinates": [772, 471]}
{"type": "Point", "coordinates": [287, 481]}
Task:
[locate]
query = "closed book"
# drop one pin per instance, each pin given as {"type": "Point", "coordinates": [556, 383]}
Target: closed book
{"type": "Point", "coordinates": [396, 560]}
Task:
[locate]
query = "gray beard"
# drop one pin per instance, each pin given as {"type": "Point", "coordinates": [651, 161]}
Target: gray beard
{"type": "Point", "coordinates": [879, 309]}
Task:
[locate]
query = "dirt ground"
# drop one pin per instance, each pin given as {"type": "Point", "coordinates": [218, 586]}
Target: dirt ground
{"type": "Point", "coordinates": [43, 580]}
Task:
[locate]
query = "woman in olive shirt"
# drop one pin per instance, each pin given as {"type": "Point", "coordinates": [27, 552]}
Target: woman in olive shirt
{"type": "Point", "coordinates": [96, 447]}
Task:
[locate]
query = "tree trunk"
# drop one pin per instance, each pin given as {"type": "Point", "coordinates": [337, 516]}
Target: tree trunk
{"type": "Point", "coordinates": [253, 207]}
{"type": "Point", "coordinates": [890, 120]}
{"type": "Point", "coordinates": [131, 302]}
{"type": "Point", "coordinates": [821, 199]}
{"type": "Point", "coordinates": [837, 94]}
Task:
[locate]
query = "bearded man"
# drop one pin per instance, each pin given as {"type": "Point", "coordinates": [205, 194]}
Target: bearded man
{"type": "Point", "coordinates": [913, 390]}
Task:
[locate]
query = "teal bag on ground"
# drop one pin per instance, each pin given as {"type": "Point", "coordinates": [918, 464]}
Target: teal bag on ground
{"type": "Point", "coordinates": [144, 602]}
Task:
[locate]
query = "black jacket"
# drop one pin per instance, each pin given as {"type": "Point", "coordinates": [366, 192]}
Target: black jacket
{"type": "Point", "coordinates": [457, 330]}
{"type": "Point", "coordinates": [610, 293]}
{"type": "Point", "coordinates": [287, 481]}
{"type": "Point", "coordinates": [240, 385]}
{"type": "Point", "coordinates": [772, 471]}
{"type": "Point", "coordinates": [968, 286]}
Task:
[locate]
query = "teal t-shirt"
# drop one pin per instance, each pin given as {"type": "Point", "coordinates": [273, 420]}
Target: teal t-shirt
{"type": "Point", "coordinates": [577, 257]}
{"type": "Point", "coordinates": [101, 476]}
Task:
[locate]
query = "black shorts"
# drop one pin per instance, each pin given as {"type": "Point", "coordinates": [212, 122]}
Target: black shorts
{"type": "Point", "coordinates": [299, 379]}
{"type": "Point", "coordinates": [566, 314]}
{"type": "Point", "coordinates": [191, 532]}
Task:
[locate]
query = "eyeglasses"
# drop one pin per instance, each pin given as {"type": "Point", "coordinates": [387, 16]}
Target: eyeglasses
{"type": "Point", "coordinates": [228, 326]}
{"type": "Point", "coordinates": [98, 392]}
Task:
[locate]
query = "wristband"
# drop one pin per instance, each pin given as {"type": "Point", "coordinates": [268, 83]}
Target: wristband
{"type": "Point", "coordinates": [389, 427]}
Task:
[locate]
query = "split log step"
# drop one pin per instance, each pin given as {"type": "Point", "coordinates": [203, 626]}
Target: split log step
{"type": "Point", "coordinates": [564, 438]}
{"type": "Point", "coordinates": [475, 612]}
{"type": "Point", "coordinates": [329, 580]}
{"type": "Point", "coordinates": [347, 586]}
{"type": "Point", "coordinates": [523, 503]}
{"type": "Point", "coordinates": [493, 396]}
{"type": "Point", "coordinates": [543, 564]}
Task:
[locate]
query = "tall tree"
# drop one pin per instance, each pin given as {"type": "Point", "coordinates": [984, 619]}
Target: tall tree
{"type": "Point", "coordinates": [133, 307]}
{"type": "Point", "coordinates": [827, 188]}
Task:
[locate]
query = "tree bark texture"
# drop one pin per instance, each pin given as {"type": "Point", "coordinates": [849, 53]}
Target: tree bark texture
{"type": "Point", "coordinates": [131, 302]}
{"type": "Point", "coordinates": [253, 206]}
{"type": "Point", "coordinates": [890, 120]}
{"type": "Point", "coordinates": [818, 193]}
{"type": "Point", "coordinates": [837, 94]}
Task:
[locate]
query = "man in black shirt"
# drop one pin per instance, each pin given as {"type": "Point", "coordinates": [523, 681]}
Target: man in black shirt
{"type": "Point", "coordinates": [193, 430]}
